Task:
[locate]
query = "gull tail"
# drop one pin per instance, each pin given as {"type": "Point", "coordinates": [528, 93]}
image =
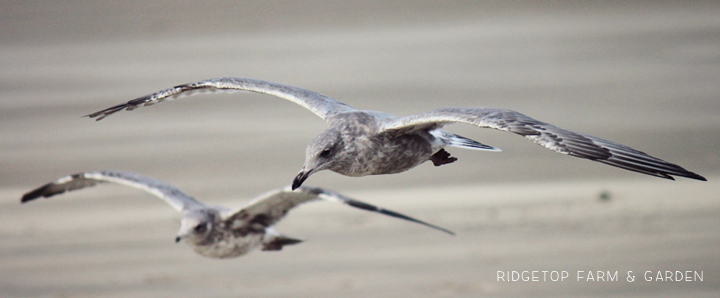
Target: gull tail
{"type": "Point", "coordinates": [453, 140]}
{"type": "Point", "coordinates": [277, 243]}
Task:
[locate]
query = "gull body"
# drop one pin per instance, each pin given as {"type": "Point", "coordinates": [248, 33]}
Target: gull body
{"type": "Point", "coordinates": [216, 231]}
{"type": "Point", "coordinates": [363, 142]}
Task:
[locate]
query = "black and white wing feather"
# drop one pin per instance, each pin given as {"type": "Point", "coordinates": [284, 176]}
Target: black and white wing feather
{"type": "Point", "coordinates": [173, 196]}
{"type": "Point", "coordinates": [271, 207]}
{"type": "Point", "coordinates": [544, 134]}
{"type": "Point", "coordinates": [319, 104]}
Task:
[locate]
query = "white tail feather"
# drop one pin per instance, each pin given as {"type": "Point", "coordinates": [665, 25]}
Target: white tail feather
{"type": "Point", "coordinates": [453, 140]}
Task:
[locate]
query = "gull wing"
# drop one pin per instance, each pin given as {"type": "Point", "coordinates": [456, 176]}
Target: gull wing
{"type": "Point", "coordinates": [173, 196]}
{"type": "Point", "coordinates": [319, 104]}
{"type": "Point", "coordinates": [270, 208]}
{"type": "Point", "coordinates": [544, 134]}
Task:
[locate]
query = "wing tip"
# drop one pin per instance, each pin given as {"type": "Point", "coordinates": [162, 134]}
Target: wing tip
{"type": "Point", "coordinates": [27, 198]}
{"type": "Point", "coordinates": [279, 242]}
{"type": "Point", "coordinates": [680, 172]}
{"type": "Point", "coordinates": [372, 208]}
{"type": "Point", "coordinates": [330, 195]}
{"type": "Point", "coordinates": [100, 115]}
{"type": "Point", "coordinates": [691, 175]}
{"type": "Point", "coordinates": [40, 192]}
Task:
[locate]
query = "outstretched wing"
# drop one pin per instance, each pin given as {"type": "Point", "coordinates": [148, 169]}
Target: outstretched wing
{"type": "Point", "coordinates": [270, 208]}
{"type": "Point", "coordinates": [319, 104]}
{"type": "Point", "coordinates": [173, 196]}
{"type": "Point", "coordinates": [546, 135]}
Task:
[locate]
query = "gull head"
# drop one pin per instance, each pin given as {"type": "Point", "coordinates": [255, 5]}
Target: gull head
{"type": "Point", "coordinates": [196, 226]}
{"type": "Point", "coordinates": [322, 153]}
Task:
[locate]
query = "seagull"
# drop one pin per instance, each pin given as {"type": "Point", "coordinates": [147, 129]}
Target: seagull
{"type": "Point", "coordinates": [215, 231]}
{"type": "Point", "coordinates": [364, 142]}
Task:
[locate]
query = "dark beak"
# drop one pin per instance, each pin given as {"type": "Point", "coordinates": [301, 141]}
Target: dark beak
{"type": "Point", "coordinates": [299, 179]}
{"type": "Point", "coordinates": [177, 239]}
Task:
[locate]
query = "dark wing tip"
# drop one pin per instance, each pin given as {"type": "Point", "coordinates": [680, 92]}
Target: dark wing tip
{"type": "Point", "coordinates": [100, 115]}
{"type": "Point", "coordinates": [692, 175]}
{"type": "Point", "coordinates": [686, 174]}
{"type": "Point", "coordinates": [661, 173]}
{"type": "Point", "coordinates": [660, 169]}
{"type": "Point", "coordinates": [368, 207]}
{"type": "Point", "coordinates": [278, 243]}
{"type": "Point", "coordinates": [130, 105]}
{"type": "Point", "coordinates": [28, 197]}
{"type": "Point", "coordinates": [627, 158]}
{"type": "Point", "coordinates": [44, 191]}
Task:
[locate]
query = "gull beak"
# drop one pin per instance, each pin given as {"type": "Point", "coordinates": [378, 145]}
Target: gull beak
{"type": "Point", "coordinates": [300, 178]}
{"type": "Point", "coordinates": [181, 235]}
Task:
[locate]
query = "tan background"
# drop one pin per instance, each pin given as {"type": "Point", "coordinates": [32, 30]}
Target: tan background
{"type": "Point", "coordinates": [645, 74]}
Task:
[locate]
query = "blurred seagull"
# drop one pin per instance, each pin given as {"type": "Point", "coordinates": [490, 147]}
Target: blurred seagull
{"type": "Point", "coordinates": [363, 142]}
{"type": "Point", "coordinates": [215, 231]}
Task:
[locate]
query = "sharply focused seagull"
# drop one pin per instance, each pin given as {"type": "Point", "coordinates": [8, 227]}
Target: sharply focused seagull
{"type": "Point", "coordinates": [363, 142]}
{"type": "Point", "coordinates": [215, 231]}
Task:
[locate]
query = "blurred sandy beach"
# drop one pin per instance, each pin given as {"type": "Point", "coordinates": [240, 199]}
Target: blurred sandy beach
{"type": "Point", "coordinates": [645, 74]}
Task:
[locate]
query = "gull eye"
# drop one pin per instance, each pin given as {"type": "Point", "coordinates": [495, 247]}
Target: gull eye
{"type": "Point", "coordinates": [200, 228]}
{"type": "Point", "coordinates": [325, 153]}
